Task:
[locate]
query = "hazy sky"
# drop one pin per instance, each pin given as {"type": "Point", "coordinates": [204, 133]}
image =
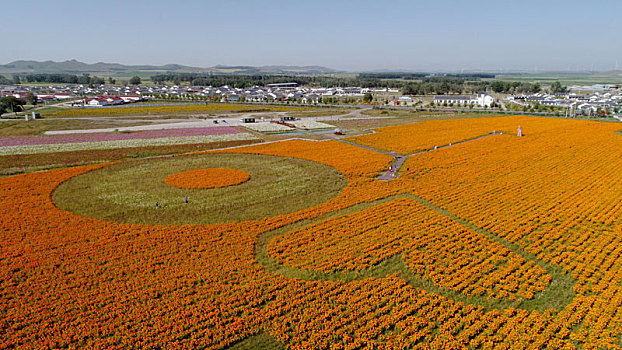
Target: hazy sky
{"type": "Point", "coordinates": [349, 35]}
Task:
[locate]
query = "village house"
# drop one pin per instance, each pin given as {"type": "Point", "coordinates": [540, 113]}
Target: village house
{"type": "Point", "coordinates": [98, 101]}
{"type": "Point", "coordinates": [482, 100]}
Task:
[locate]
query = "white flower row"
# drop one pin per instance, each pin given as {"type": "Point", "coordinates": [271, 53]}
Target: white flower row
{"type": "Point", "coordinates": [86, 146]}
{"type": "Point", "coordinates": [310, 124]}
{"type": "Point", "coordinates": [268, 127]}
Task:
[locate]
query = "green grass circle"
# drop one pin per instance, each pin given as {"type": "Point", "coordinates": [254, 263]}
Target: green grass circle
{"type": "Point", "coordinates": [127, 192]}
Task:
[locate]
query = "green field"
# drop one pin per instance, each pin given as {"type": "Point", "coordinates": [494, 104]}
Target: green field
{"type": "Point", "coordinates": [566, 78]}
{"type": "Point", "coordinates": [121, 192]}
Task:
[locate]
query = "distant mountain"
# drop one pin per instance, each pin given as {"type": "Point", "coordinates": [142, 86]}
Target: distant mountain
{"type": "Point", "coordinates": [106, 69]}
{"type": "Point", "coordinates": [273, 69]}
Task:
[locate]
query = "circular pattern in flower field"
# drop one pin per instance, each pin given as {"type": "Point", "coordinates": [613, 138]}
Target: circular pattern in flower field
{"type": "Point", "coordinates": [136, 191]}
{"type": "Point", "coordinates": [208, 178]}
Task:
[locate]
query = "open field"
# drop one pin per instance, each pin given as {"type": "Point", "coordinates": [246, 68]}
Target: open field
{"type": "Point", "coordinates": [277, 185]}
{"type": "Point", "coordinates": [170, 109]}
{"type": "Point", "coordinates": [566, 78]}
{"type": "Point", "coordinates": [489, 241]}
{"type": "Point", "coordinates": [383, 117]}
{"type": "Point", "coordinates": [320, 112]}
{"type": "Point", "coordinates": [37, 127]}
{"type": "Point", "coordinates": [25, 163]}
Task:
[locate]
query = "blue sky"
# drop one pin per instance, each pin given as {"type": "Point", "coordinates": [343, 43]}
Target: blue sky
{"type": "Point", "coordinates": [347, 35]}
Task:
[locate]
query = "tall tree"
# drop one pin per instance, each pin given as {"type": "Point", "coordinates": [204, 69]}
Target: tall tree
{"type": "Point", "coordinates": [135, 80]}
{"type": "Point", "coordinates": [556, 88]}
{"type": "Point", "coordinates": [31, 98]}
{"type": "Point", "coordinates": [10, 103]}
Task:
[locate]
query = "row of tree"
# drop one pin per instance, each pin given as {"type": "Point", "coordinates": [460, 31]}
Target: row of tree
{"type": "Point", "coordinates": [245, 81]}
{"type": "Point", "coordinates": [424, 84]}
{"type": "Point", "coordinates": [63, 79]}
{"type": "Point", "coordinates": [512, 87]}
{"type": "Point", "coordinates": [58, 79]}
{"type": "Point", "coordinates": [443, 85]}
{"type": "Point", "coordinates": [5, 81]}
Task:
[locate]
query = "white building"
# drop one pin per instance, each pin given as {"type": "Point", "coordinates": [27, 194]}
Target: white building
{"type": "Point", "coordinates": [96, 101]}
{"type": "Point", "coordinates": [482, 100]}
{"type": "Point", "coordinates": [455, 99]}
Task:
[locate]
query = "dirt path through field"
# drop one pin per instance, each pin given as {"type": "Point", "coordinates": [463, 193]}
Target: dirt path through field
{"type": "Point", "coordinates": [394, 170]}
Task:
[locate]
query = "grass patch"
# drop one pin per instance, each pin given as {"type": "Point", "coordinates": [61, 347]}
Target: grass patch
{"type": "Point", "coordinates": [127, 192]}
{"type": "Point", "coordinates": [322, 112]}
{"type": "Point", "coordinates": [260, 341]}
{"type": "Point", "coordinates": [141, 155]}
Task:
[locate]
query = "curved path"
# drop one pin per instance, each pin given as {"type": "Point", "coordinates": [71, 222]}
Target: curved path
{"type": "Point", "coordinates": [559, 293]}
{"type": "Point", "coordinates": [399, 160]}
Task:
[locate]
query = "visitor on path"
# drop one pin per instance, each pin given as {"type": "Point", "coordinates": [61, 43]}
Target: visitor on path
{"type": "Point", "coordinates": [186, 200]}
{"type": "Point", "coordinates": [520, 131]}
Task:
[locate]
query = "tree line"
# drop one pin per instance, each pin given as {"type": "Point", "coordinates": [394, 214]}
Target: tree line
{"type": "Point", "coordinates": [417, 76]}
{"type": "Point", "coordinates": [513, 87]}
{"type": "Point", "coordinates": [245, 81]}
{"type": "Point", "coordinates": [424, 85]}
{"type": "Point", "coordinates": [392, 75]}
{"type": "Point", "coordinates": [58, 79]}
{"type": "Point", "coordinates": [5, 81]}
{"type": "Point", "coordinates": [408, 83]}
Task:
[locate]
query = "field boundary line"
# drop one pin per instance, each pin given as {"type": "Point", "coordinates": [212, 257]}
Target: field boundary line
{"type": "Point", "coordinates": [558, 294]}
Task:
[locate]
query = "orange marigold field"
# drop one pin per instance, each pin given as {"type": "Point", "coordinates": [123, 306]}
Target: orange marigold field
{"type": "Point", "coordinates": [434, 247]}
{"type": "Point", "coordinates": [496, 218]}
{"type": "Point", "coordinates": [207, 178]}
{"type": "Point", "coordinates": [411, 138]}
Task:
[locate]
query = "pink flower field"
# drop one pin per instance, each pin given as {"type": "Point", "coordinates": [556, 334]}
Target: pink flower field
{"type": "Point", "coordinates": [101, 136]}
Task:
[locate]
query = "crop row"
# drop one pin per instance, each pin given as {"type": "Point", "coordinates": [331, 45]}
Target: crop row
{"type": "Point", "coordinates": [551, 193]}
{"type": "Point", "coordinates": [433, 246]}
{"type": "Point", "coordinates": [102, 136]}
{"type": "Point", "coordinates": [122, 143]}
{"type": "Point", "coordinates": [166, 109]}
{"type": "Point", "coordinates": [411, 138]}
{"type": "Point", "coordinates": [72, 281]}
